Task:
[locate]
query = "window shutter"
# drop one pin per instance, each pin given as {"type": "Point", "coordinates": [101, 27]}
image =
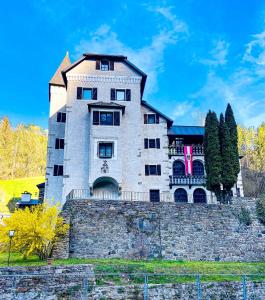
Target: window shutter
{"type": "Point", "coordinates": [63, 117]}
{"type": "Point", "coordinates": [59, 117]}
{"type": "Point", "coordinates": [116, 118]}
{"type": "Point", "coordinates": [158, 168]}
{"type": "Point", "coordinates": [111, 65]}
{"type": "Point", "coordinates": [146, 143]}
{"type": "Point", "coordinates": [56, 143]}
{"type": "Point", "coordinates": [146, 170]}
{"type": "Point", "coordinates": [112, 94]}
{"type": "Point", "coordinates": [94, 94]}
{"type": "Point", "coordinates": [55, 169]}
{"type": "Point", "coordinates": [95, 117]}
{"type": "Point", "coordinates": [79, 93]}
{"type": "Point", "coordinates": [157, 118]}
{"type": "Point", "coordinates": [145, 118]}
{"type": "Point", "coordinates": [158, 143]}
{"type": "Point", "coordinates": [97, 64]}
{"type": "Point", "coordinates": [128, 95]}
{"type": "Point", "coordinates": [60, 170]}
{"type": "Point", "coordinates": [61, 143]}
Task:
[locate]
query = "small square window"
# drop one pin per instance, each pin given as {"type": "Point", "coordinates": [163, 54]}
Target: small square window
{"type": "Point", "coordinates": [120, 95]}
{"type": "Point", "coordinates": [104, 65]}
{"type": "Point", "coordinates": [105, 150]}
{"type": "Point", "coordinates": [58, 170]}
{"type": "Point", "coordinates": [106, 118]}
{"type": "Point", "coordinates": [154, 196]}
{"type": "Point", "coordinates": [152, 169]}
{"type": "Point", "coordinates": [59, 144]}
{"type": "Point", "coordinates": [152, 143]}
{"type": "Point", "coordinates": [87, 94]}
{"type": "Point", "coordinates": [151, 119]}
{"type": "Point", "coordinates": [61, 117]}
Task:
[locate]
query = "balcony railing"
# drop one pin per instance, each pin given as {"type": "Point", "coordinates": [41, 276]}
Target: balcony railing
{"type": "Point", "coordinates": [179, 150]}
{"type": "Point", "coordinates": [187, 180]}
{"type": "Point", "coordinates": [84, 194]}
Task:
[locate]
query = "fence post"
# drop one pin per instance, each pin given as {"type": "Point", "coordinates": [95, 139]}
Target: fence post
{"type": "Point", "coordinates": [85, 288]}
{"type": "Point", "coordinates": [244, 287]}
{"type": "Point", "coordinates": [199, 290]}
{"type": "Point", "coordinates": [145, 287]}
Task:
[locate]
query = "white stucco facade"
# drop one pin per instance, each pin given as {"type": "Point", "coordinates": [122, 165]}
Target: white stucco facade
{"type": "Point", "coordinates": [131, 169]}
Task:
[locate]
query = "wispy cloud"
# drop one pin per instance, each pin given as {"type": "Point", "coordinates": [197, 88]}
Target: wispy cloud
{"type": "Point", "coordinates": [150, 57]}
{"type": "Point", "coordinates": [218, 54]}
{"type": "Point", "coordinates": [255, 50]}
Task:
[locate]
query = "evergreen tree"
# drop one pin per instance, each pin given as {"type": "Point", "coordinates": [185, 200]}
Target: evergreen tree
{"type": "Point", "coordinates": [228, 177]}
{"type": "Point", "coordinates": [232, 127]}
{"type": "Point", "coordinates": [212, 154]}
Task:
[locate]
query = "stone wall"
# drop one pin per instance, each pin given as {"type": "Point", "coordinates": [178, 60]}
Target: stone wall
{"type": "Point", "coordinates": [52, 282]}
{"type": "Point", "coordinates": [102, 229]}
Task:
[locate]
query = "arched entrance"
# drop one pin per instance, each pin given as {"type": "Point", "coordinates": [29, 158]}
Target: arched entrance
{"type": "Point", "coordinates": [105, 188]}
{"type": "Point", "coordinates": [180, 195]}
{"type": "Point", "coordinates": [199, 196]}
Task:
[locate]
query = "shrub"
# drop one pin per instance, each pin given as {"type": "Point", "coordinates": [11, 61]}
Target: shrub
{"type": "Point", "coordinates": [244, 216]}
{"type": "Point", "coordinates": [260, 209]}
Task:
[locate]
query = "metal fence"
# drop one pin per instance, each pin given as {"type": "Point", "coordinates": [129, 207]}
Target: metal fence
{"type": "Point", "coordinates": [123, 285]}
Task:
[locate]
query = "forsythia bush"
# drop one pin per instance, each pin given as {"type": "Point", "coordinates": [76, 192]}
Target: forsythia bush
{"type": "Point", "coordinates": [36, 230]}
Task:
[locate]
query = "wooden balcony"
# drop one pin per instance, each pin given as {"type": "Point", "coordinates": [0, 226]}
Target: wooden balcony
{"type": "Point", "coordinates": [187, 180]}
{"type": "Point", "coordinates": [179, 150]}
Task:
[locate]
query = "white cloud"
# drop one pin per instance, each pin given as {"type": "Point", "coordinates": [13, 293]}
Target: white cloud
{"type": "Point", "coordinates": [255, 50]}
{"type": "Point", "coordinates": [218, 54]}
{"type": "Point", "coordinates": [182, 109]}
{"type": "Point", "coordinates": [150, 57]}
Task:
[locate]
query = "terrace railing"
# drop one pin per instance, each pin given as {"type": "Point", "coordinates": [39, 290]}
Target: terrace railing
{"type": "Point", "coordinates": [179, 150]}
{"type": "Point", "coordinates": [187, 180]}
{"type": "Point", "coordinates": [121, 196]}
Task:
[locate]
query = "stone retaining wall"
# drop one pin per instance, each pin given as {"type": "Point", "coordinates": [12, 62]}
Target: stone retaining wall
{"type": "Point", "coordinates": [104, 229]}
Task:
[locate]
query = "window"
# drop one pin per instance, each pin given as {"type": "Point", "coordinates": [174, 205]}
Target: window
{"type": "Point", "coordinates": [86, 93]}
{"type": "Point", "coordinates": [106, 118]}
{"type": "Point", "coordinates": [120, 95]}
{"type": "Point", "coordinates": [105, 150]}
{"type": "Point", "coordinates": [104, 65]}
{"type": "Point", "coordinates": [58, 170]}
{"type": "Point", "coordinates": [199, 196]}
{"type": "Point", "coordinates": [59, 144]}
{"type": "Point", "coordinates": [152, 143]}
{"type": "Point", "coordinates": [197, 168]}
{"type": "Point", "coordinates": [151, 119]}
{"type": "Point", "coordinates": [178, 168]}
{"type": "Point", "coordinates": [152, 170]}
{"type": "Point", "coordinates": [61, 117]}
{"type": "Point", "coordinates": [180, 195]}
{"type": "Point", "coordinates": [154, 195]}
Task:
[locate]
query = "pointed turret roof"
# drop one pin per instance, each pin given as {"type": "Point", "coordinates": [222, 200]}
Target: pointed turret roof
{"type": "Point", "coordinates": [57, 78]}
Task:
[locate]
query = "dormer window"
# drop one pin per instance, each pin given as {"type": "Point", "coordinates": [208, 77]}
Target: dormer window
{"type": "Point", "coordinates": [105, 65]}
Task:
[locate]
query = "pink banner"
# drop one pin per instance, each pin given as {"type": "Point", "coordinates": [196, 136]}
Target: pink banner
{"type": "Point", "coordinates": [188, 159]}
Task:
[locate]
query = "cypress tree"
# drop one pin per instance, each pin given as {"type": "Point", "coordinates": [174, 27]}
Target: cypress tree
{"type": "Point", "coordinates": [232, 127]}
{"type": "Point", "coordinates": [212, 154]}
{"type": "Point", "coordinates": [228, 177]}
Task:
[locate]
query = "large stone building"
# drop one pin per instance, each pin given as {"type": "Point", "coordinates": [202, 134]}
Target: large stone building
{"type": "Point", "coordinates": [106, 142]}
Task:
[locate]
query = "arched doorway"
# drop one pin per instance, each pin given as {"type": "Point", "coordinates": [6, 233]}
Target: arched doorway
{"type": "Point", "coordinates": [199, 196]}
{"type": "Point", "coordinates": [180, 195]}
{"type": "Point", "coordinates": [105, 188]}
{"type": "Point", "coordinates": [197, 168]}
{"type": "Point", "coordinates": [178, 168]}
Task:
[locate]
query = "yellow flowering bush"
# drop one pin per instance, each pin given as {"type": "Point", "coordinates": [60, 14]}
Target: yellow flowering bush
{"type": "Point", "coordinates": [36, 230]}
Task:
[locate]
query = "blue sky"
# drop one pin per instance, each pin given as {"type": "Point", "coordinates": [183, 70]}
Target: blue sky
{"type": "Point", "coordinates": [198, 55]}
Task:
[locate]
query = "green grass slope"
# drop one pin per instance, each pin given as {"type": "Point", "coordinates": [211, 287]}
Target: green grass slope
{"type": "Point", "coordinates": [10, 189]}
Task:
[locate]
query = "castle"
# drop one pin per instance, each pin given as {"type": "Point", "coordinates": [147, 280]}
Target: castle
{"type": "Point", "coordinates": [106, 142]}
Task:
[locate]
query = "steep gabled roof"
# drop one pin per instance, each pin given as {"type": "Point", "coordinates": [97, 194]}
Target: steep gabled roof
{"type": "Point", "coordinates": [57, 78]}
{"type": "Point", "coordinates": [147, 105]}
{"type": "Point", "coordinates": [109, 57]}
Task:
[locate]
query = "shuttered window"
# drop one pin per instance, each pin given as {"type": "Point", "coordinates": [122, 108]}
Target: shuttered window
{"type": "Point", "coordinates": [61, 117]}
{"type": "Point", "coordinates": [120, 94]}
{"type": "Point", "coordinates": [151, 118]}
{"type": "Point", "coordinates": [86, 93]}
{"type": "Point", "coordinates": [152, 143]}
{"type": "Point", "coordinates": [105, 65]}
{"type": "Point", "coordinates": [152, 170]}
{"type": "Point", "coordinates": [59, 143]}
{"type": "Point", "coordinates": [106, 118]}
{"type": "Point", "coordinates": [58, 170]}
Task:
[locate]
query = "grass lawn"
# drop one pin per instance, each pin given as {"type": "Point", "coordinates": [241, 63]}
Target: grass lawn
{"type": "Point", "coordinates": [130, 271]}
{"type": "Point", "coordinates": [13, 188]}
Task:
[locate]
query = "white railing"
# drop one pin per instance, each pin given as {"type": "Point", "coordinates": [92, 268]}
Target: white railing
{"type": "Point", "coordinates": [187, 180]}
{"type": "Point", "coordinates": [121, 196]}
{"type": "Point", "coordinates": [179, 150]}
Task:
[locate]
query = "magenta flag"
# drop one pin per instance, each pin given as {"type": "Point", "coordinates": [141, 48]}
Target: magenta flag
{"type": "Point", "coordinates": [188, 159]}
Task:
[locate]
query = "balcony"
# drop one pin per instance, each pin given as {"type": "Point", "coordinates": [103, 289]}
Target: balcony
{"type": "Point", "coordinates": [179, 150]}
{"type": "Point", "coordinates": [187, 180]}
